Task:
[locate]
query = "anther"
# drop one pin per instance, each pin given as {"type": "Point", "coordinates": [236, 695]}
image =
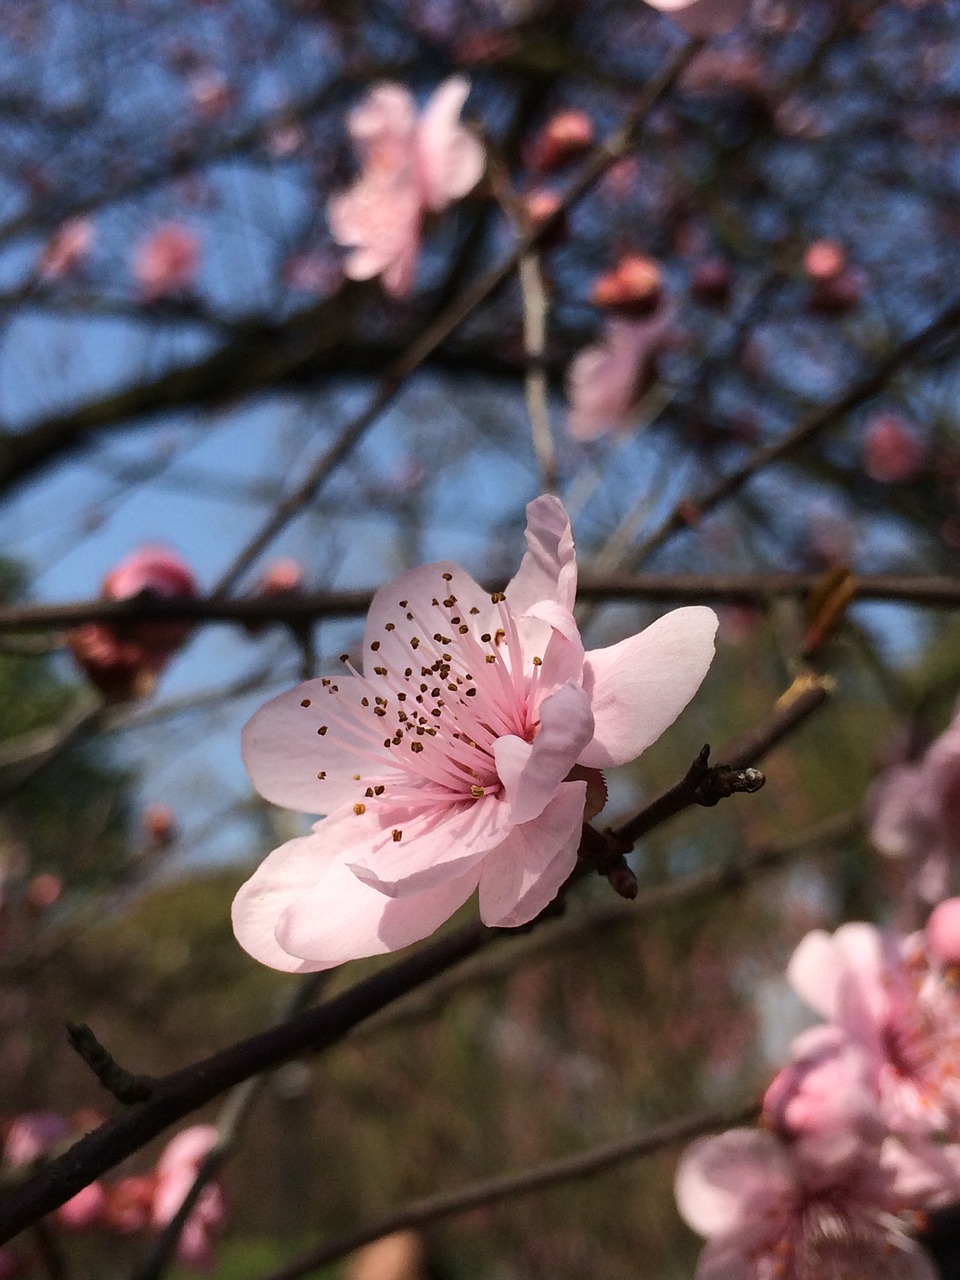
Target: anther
{"type": "Point", "coordinates": [374, 645]}
{"type": "Point", "coordinates": [463, 629]}
{"type": "Point", "coordinates": [476, 792]}
{"type": "Point", "coordinates": [358, 809]}
{"type": "Point", "coordinates": [378, 791]}
{"type": "Point", "coordinates": [390, 626]}
{"type": "Point", "coordinates": [305, 702]}
{"type": "Point", "coordinates": [397, 835]}
{"type": "Point", "coordinates": [497, 598]}
{"type": "Point", "coordinates": [322, 730]}
{"type": "Point", "coordinates": [538, 662]}
{"type": "Point", "coordinates": [322, 774]}
{"type": "Point", "coordinates": [416, 747]}
{"type": "Point", "coordinates": [344, 657]}
{"type": "Point", "coordinates": [414, 642]}
{"type": "Point", "coordinates": [447, 577]}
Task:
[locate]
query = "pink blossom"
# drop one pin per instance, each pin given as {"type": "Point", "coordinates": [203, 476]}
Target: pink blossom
{"type": "Point", "coordinates": [32, 1135]}
{"type": "Point", "coordinates": [410, 166]}
{"type": "Point", "coordinates": [447, 765]}
{"type": "Point", "coordinates": [893, 450]}
{"type": "Point", "coordinates": [85, 1209]}
{"type": "Point", "coordinates": [562, 138]}
{"type": "Point", "coordinates": [703, 17]}
{"type": "Point", "coordinates": [891, 1001]}
{"type": "Point", "coordinates": [176, 1172]}
{"type": "Point", "coordinates": [124, 659]}
{"type": "Point", "coordinates": [605, 381]}
{"type": "Point", "coordinates": [914, 812]}
{"type": "Point", "coordinates": [66, 249]}
{"type": "Point", "coordinates": [768, 1211]}
{"type": "Point", "coordinates": [167, 261]}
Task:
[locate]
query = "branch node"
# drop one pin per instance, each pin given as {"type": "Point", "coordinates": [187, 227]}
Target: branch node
{"type": "Point", "coordinates": [124, 1085]}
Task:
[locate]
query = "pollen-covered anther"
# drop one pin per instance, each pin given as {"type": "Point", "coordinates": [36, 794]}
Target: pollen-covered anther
{"type": "Point", "coordinates": [477, 792]}
{"type": "Point", "coordinates": [322, 774]}
{"type": "Point", "coordinates": [359, 809]}
{"type": "Point", "coordinates": [322, 730]}
{"type": "Point", "coordinates": [414, 642]}
{"type": "Point", "coordinates": [305, 702]}
{"type": "Point", "coordinates": [374, 645]}
{"type": "Point", "coordinates": [499, 635]}
{"type": "Point", "coordinates": [397, 835]}
{"type": "Point", "coordinates": [538, 662]}
{"type": "Point", "coordinates": [417, 747]}
{"type": "Point", "coordinates": [497, 597]}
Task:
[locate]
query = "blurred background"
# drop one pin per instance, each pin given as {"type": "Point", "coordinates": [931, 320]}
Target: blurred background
{"type": "Point", "coordinates": [181, 356]}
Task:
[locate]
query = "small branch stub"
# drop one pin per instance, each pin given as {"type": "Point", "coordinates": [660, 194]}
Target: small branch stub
{"type": "Point", "coordinates": [124, 1085]}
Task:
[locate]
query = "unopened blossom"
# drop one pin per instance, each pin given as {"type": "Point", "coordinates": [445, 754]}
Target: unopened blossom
{"type": "Point", "coordinates": [633, 288]}
{"type": "Point", "coordinates": [124, 659]}
{"type": "Point", "coordinates": [606, 380]}
{"type": "Point", "coordinates": [410, 166]}
{"type": "Point", "coordinates": [702, 17]}
{"type": "Point", "coordinates": [84, 1210]}
{"type": "Point", "coordinates": [913, 810]}
{"type": "Point", "coordinates": [66, 249]}
{"type": "Point", "coordinates": [564, 136]}
{"type": "Point", "coordinates": [771, 1212]}
{"type": "Point", "coordinates": [176, 1173]}
{"type": "Point", "coordinates": [167, 261]}
{"type": "Point", "coordinates": [456, 761]}
{"type": "Point", "coordinates": [893, 450]}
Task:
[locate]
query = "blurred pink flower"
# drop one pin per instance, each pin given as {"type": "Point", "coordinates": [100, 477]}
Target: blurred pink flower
{"type": "Point", "coordinates": [210, 93]}
{"type": "Point", "coordinates": [913, 810]}
{"type": "Point", "coordinates": [167, 261]}
{"type": "Point", "coordinates": [769, 1211]}
{"type": "Point", "coordinates": [410, 166]}
{"type": "Point", "coordinates": [448, 764]}
{"type": "Point", "coordinates": [32, 1135]}
{"type": "Point", "coordinates": [84, 1210]}
{"type": "Point", "coordinates": [176, 1171]}
{"type": "Point", "coordinates": [66, 249]}
{"type": "Point", "coordinates": [605, 381]}
{"type": "Point", "coordinates": [893, 450]}
{"type": "Point", "coordinates": [703, 17]}
{"type": "Point", "coordinates": [124, 659]}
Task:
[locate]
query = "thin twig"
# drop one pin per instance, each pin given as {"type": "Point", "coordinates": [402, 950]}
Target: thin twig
{"type": "Point", "coordinates": [123, 1084]}
{"type": "Point", "coordinates": [525, 1182]}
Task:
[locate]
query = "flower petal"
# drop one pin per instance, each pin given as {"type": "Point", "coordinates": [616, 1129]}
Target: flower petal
{"type": "Point", "coordinates": [638, 687]}
{"type": "Point", "coordinates": [531, 773]}
{"type": "Point", "coordinates": [704, 18]}
{"type": "Point", "coordinates": [524, 874]}
{"type": "Point", "coordinates": [340, 918]}
{"type": "Point", "coordinates": [452, 159]}
{"type": "Point", "coordinates": [548, 570]}
{"type": "Point", "coordinates": [283, 877]}
{"type": "Point", "coordinates": [285, 753]}
{"type": "Point", "coordinates": [435, 846]}
{"type": "Point", "coordinates": [726, 1181]}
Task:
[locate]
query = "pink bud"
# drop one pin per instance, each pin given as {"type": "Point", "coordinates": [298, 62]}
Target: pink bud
{"type": "Point", "coordinates": [160, 825]}
{"type": "Point", "coordinates": [893, 451]}
{"type": "Point", "coordinates": [824, 260]}
{"type": "Point", "coordinates": [210, 94]}
{"type": "Point", "coordinates": [128, 1204]}
{"type": "Point", "coordinates": [561, 139]}
{"type": "Point", "coordinates": [33, 1134]}
{"type": "Point", "coordinates": [167, 261]}
{"type": "Point", "coordinates": [43, 891]}
{"type": "Point", "coordinates": [943, 932]}
{"type": "Point", "coordinates": [280, 577]}
{"type": "Point", "coordinates": [633, 286]}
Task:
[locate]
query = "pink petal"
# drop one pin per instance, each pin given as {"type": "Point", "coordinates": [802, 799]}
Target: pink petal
{"type": "Point", "coordinates": [451, 158]}
{"type": "Point", "coordinates": [638, 687]}
{"type": "Point", "coordinates": [531, 773]}
{"type": "Point", "coordinates": [282, 878]}
{"type": "Point", "coordinates": [702, 17]}
{"type": "Point", "coordinates": [726, 1181]}
{"type": "Point", "coordinates": [524, 874]}
{"type": "Point", "coordinates": [602, 380]}
{"type": "Point", "coordinates": [899, 826]}
{"type": "Point", "coordinates": [284, 752]}
{"type": "Point", "coordinates": [437, 845]}
{"type": "Point", "coordinates": [814, 973]}
{"type": "Point", "coordinates": [421, 593]}
{"type": "Point", "coordinates": [548, 570]}
{"type": "Point", "coordinates": [340, 918]}
{"type": "Point", "coordinates": [383, 126]}
{"type": "Point", "coordinates": [849, 978]}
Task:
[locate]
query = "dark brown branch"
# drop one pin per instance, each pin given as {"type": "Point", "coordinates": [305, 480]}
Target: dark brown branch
{"type": "Point", "coordinates": [123, 1084]}
{"type": "Point", "coordinates": [805, 430]}
{"type": "Point", "coordinates": [758, 589]}
{"type": "Point", "coordinates": [527, 1181]}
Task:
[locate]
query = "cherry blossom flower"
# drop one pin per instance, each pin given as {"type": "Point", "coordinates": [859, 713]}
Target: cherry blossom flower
{"type": "Point", "coordinates": [914, 812]}
{"type": "Point", "coordinates": [167, 261]}
{"type": "Point", "coordinates": [892, 1001]}
{"type": "Point", "coordinates": [176, 1172]}
{"type": "Point", "coordinates": [410, 166]}
{"type": "Point", "coordinates": [702, 17]}
{"type": "Point", "coordinates": [769, 1211]}
{"type": "Point", "coordinates": [448, 765]}
{"type": "Point", "coordinates": [605, 381]}
{"type": "Point", "coordinates": [562, 138]}
{"type": "Point", "coordinates": [124, 660]}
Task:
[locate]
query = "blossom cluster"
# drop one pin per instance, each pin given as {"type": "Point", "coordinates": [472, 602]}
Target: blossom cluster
{"type": "Point", "coordinates": [132, 1206]}
{"type": "Point", "coordinates": [860, 1131]}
